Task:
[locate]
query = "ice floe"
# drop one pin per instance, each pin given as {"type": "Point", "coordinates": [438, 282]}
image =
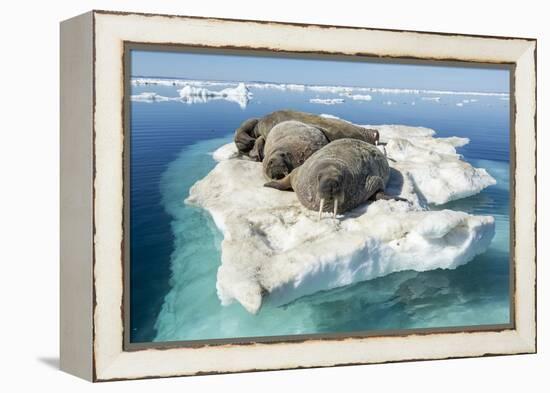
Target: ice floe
{"type": "Point", "coordinates": [191, 94]}
{"type": "Point", "coordinates": [436, 99]}
{"type": "Point", "coordinates": [138, 81]}
{"type": "Point", "coordinates": [342, 90]}
{"type": "Point", "coordinates": [436, 171]}
{"type": "Point", "coordinates": [240, 94]}
{"type": "Point", "coordinates": [465, 93]}
{"type": "Point", "coordinates": [327, 101]}
{"type": "Point", "coordinates": [274, 250]}
{"type": "Point", "coordinates": [278, 86]}
{"type": "Point", "coordinates": [197, 91]}
{"type": "Point", "coordinates": [358, 97]}
{"type": "Point", "coordinates": [149, 97]}
{"type": "Point", "coordinates": [331, 89]}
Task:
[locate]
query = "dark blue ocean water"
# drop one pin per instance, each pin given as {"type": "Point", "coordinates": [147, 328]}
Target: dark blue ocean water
{"type": "Point", "coordinates": [175, 249]}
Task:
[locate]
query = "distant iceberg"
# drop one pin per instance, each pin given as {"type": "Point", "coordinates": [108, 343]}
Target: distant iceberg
{"type": "Point", "coordinates": [327, 101]}
{"type": "Point", "coordinates": [191, 94]}
{"type": "Point", "coordinates": [274, 250]}
{"type": "Point", "coordinates": [361, 97]}
{"type": "Point", "coordinates": [150, 97]}
{"type": "Point", "coordinates": [156, 82]}
{"type": "Point", "coordinates": [278, 86]}
{"type": "Point", "coordinates": [465, 93]}
{"type": "Point", "coordinates": [342, 90]}
{"type": "Point", "coordinates": [137, 81]}
{"type": "Point", "coordinates": [332, 89]}
{"type": "Point", "coordinates": [240, 94]}
{"type": "Point", "coordinates": [357, 97]}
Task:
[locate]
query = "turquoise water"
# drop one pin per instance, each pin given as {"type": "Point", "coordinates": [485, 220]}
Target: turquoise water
{"type": "Point", "coordinates": [175, 248]}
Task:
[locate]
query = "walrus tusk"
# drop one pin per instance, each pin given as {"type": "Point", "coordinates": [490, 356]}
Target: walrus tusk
{"type": "Point", "coordinates": [321, 208]}
{"type": "Point", "coordinates": [335, 208]}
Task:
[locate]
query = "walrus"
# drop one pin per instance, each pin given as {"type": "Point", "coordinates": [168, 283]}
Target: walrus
{"type": "Point", "coordinates": [288, 145]}
{"type": "Point", "coordinates": [343, 174]}
{"type": "Point", "coordinates": [250, 137]}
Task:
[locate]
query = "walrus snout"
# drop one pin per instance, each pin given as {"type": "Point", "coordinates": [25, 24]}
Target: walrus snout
{"type": "Point", "coordinates": [277, 172]}
{"type": "Point", "coordinates": [277, 167]}
{"type": "Point", "coordinates": [278, 175]}
{"type": "Point", "coordinates": [330, 194]}
{"type": "Point", "coordinates": [329, 188]}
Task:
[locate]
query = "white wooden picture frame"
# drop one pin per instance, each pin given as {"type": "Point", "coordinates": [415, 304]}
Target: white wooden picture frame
{"type": "Point", "coordinates": [92, 195]}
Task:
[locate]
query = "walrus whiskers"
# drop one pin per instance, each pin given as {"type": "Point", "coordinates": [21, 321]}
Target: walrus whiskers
{"type": "Point", "coordinates": [321, 204]}
{"type": "Point", "coordinates": [335, 208]}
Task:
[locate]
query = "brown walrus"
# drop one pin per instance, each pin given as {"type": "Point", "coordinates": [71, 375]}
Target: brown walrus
{"type": "Point", "coordinates": [288, 145]}
{"type": "Point", "coordinates": [251, 136]}
{"type": "Point", "coordinates": [343, 174]}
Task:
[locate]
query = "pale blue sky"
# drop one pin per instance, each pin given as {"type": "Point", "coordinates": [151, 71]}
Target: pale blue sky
{"type": "Point", "coordinates": [316, 71]}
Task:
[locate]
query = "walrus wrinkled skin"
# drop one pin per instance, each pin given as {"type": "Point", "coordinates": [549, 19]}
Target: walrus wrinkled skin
{"type": "Point", "coordinates": [251, 136]}
{"type": "Point", "coordinates": [288, 145]}
{"type": "Point", "coordinates": [339, 177]}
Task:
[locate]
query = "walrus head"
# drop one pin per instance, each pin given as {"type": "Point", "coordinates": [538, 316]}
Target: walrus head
{"type": "Point", "coordinates": [330, 188]}
{"type": "Point", "coordinates": [245, 136]}
{"type": "Point", "coordinates": [278, 165]}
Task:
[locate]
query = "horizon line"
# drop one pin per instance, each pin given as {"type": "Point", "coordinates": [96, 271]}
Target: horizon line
{"type": "Point", "coordinates": [428, 91]}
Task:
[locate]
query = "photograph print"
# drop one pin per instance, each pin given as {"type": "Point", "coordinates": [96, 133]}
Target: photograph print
{"type": "Point", "coordinates": [278, 196]}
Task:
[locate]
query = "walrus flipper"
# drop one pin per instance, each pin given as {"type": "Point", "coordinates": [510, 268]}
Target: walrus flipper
{"type": "Point", "coordinates": [282, 185]}
{"type": "Point", "coordinates": [373, 185]}
{"type": "Point", "coordinates": [374, 188]}
{"type": "Point", "coordinates": [257, 152]}
{"type": "Point", "coordinates": [245, 137]}
{"type": "Point", "coordinates": [381, 195]}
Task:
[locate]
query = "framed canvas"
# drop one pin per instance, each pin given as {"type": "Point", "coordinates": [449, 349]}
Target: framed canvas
{"type": "Point", "coordinates": [246, 195]}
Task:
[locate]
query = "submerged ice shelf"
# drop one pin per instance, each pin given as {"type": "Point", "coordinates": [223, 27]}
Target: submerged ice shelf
{"type": "Point", "coordinates": [274, 250]}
